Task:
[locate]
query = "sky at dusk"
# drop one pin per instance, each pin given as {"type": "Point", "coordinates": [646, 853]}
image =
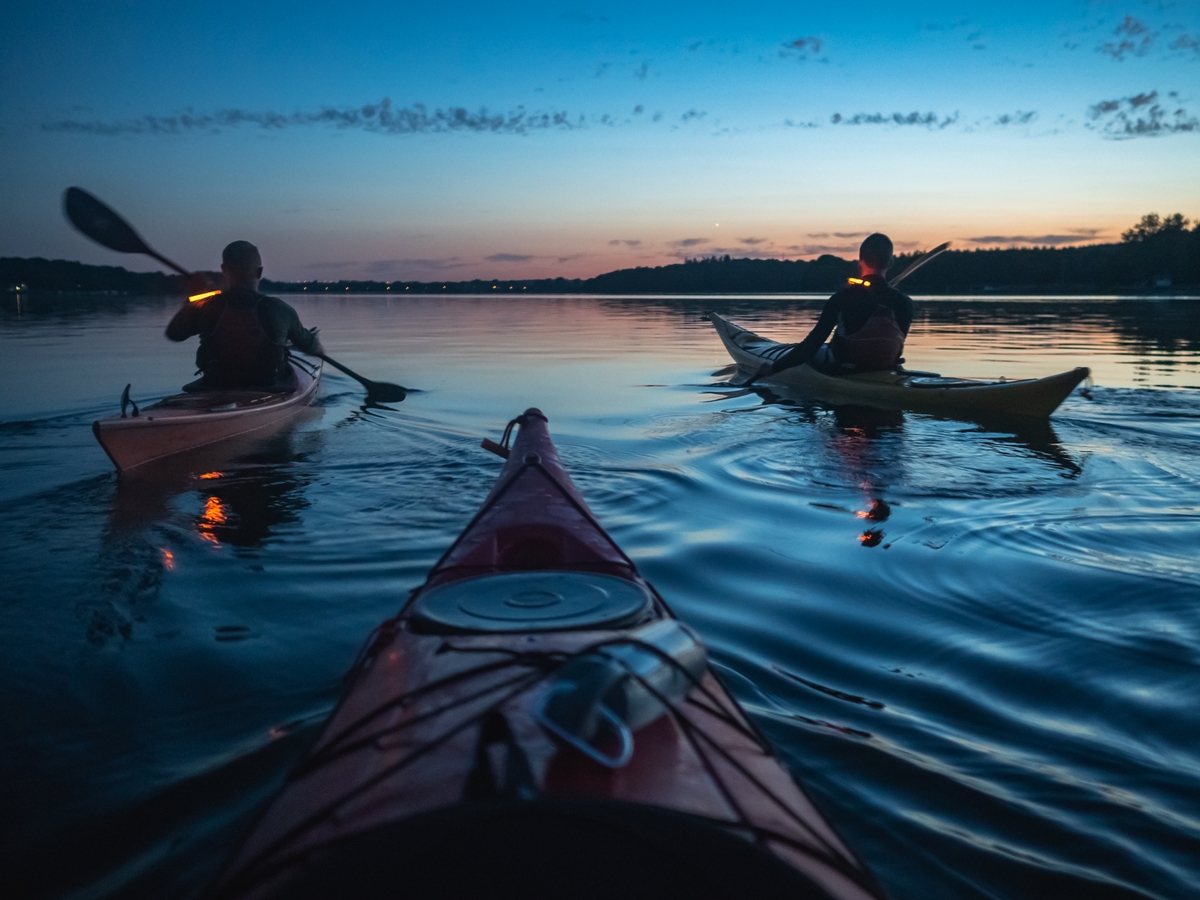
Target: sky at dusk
{"type": "Point", "coordinates": [461, 140]}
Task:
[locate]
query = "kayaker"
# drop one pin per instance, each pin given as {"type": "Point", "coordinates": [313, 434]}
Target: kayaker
{"type": "Point", "coordinates": [868, 319]}
{"type": "Point", "coordinates": [244, 335]}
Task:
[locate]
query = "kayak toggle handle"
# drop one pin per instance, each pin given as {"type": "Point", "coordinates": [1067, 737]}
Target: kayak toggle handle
{"type": "Point", "coordinates": [499, 449]}
{"type": "Point", "coordinates": [614, 688]}
{"type": "Point", "coordinates": [126, 401]}
{"type": "Point", "coordinates": [502, 449]}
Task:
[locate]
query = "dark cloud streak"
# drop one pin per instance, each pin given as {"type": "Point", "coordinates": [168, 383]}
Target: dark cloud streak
{"type": "Point", "coordinates": [1052, 240]}
{"type": "Point", "coordinates": [1133, 38]}
{"type": "Point", "coordinates": [1141, 115]}
{"type": "Point", "coordinates": [926, 120]}
{"type": "Point", "coordinates": [380, 118]}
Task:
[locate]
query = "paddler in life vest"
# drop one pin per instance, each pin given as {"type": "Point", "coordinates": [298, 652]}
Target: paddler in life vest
{"type": "Point", "coordinates": [869, 321]}
{"type": "Point", "coordinates": [244, 335]}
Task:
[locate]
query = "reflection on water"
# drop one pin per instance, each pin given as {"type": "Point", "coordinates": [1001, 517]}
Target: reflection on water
{"type": "Point", "coordinates": [975, 641]}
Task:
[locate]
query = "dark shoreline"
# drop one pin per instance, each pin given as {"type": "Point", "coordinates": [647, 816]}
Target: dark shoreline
{"type": "Point", "coordinates": [1160, 265]}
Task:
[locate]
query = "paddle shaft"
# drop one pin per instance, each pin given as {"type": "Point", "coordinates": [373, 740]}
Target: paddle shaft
{"type": "Point", "coordinates": [166, 262]}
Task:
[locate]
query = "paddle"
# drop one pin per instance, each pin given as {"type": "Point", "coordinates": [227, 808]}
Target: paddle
{"type": "Point", "coordinates": [377, 391]}
{"type": "Point", "coordinates": [892, 282]}
{"type": "Point", "coordinates": [103, 225]}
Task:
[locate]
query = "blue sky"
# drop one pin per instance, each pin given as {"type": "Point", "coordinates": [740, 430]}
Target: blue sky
{"type": "Point", "coordinates": [461, 140]}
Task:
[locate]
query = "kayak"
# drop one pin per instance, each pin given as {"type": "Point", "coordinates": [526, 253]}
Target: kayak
{"type": "Point", "coordinates": [191, 420]}
{"type": "Point", "coordinates": [535, 722]}
{"type": "Point", "coordinates": [900, 388]}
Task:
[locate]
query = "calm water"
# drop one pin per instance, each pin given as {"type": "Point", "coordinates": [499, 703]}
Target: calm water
{"type": "Point", "coordinates": [977, 646]}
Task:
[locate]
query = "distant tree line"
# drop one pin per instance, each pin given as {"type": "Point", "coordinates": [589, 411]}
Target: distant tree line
{"type": "Point", "coordinates": [41, 274]}
{"type": "Point", "coordinates": [1155, 254]}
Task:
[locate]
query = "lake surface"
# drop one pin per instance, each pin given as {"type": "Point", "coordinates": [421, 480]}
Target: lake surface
{"type": "Point", "coordinates": [976, 645]}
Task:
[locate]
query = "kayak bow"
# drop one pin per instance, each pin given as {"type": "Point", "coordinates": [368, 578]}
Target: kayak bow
{"type": "Point", "coordinates": [188, 421]}
{"type": "Point", "coordinates": [535, 722]}
{"type": "Point", "coordinates": [901, 389]}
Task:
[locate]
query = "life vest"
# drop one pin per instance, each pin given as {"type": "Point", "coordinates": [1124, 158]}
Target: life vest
{"type": "Point", "coordinates": [239, 353]}
{"type": "Point", "coordinates": [874, 347]}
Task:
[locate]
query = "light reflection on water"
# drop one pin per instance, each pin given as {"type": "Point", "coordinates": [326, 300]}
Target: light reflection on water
{"type": "Point", "coordinates": [975, 642]}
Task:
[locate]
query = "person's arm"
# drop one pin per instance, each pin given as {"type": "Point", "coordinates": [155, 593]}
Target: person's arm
{"type": "Point", "coordinates": [187, 322]}
{"type": "Point", "coordinates": [303, 339]}
{"type": "Point", "coordinates": [904, 315]}
{"type": "Point", "coordinates": [807, 348]}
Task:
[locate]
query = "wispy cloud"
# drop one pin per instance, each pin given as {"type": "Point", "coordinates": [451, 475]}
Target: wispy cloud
{"type": "Point", "coordinates": [331, 266]}
{"type": "Point", "coordinates": [1186, 42]}
{"type": "Point", "coordinates": [386, 265]}
{"type": "Point", "coordinates": [821, 249]}
{"type": "Point", "coordinates": [1131, 38]}
{"type": "Point", "coordinates": [921, 120]}
{"type": "Point", "coordinates": [692, 115]}
{"type": "Point", "coordinates": [850, 234]}
{"type": "Point", "coordinates": [381, 118]}
{"type": "Point", "coordinates": [974, 34]}
{"type": "Point", "coordinates": [619, 241]}
{"type": "Point", "coordinates": [1077, 236]}
{"type": "Point", "coordinates": [1141, 115]}
{"type": "Point", "coordinates": [752, 241]}
{"type": "Point", "coordinates": [509, 257]}
{"type": "Point", "coordinates": [1020, 117]}
{"type": "Point", "coordinates": [803, 49]}
{"type": "Point", "coordinates": [689, 242]}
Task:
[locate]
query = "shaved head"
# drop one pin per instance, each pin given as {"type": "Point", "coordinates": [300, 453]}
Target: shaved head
{"type": "Point", "coordinates": [876, 252]}
{"type": "Point", "coordinates": [242, 257]}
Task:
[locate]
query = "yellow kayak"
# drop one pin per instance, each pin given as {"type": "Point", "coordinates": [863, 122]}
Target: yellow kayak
{"type": "Point", "coordinates": [901, 389]}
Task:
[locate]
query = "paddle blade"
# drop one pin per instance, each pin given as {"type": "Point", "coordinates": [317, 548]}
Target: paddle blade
{"type": "Point", "coordinates": [100, 223]}
{"type": "Point", "coordinates": [382, 392]}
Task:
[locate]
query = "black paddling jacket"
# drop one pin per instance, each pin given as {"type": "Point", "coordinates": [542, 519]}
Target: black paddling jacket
{"type": "Point", "coordinates": [243, 337]}
{"type": "Point", "coordinates": [849, 311]}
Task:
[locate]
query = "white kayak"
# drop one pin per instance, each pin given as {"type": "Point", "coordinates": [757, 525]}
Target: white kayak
{"type": "Point", "coordinates": [191, 420]}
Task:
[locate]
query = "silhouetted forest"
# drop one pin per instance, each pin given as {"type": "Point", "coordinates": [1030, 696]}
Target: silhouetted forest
{"type": "Point", "coordinates": [1156, 255]}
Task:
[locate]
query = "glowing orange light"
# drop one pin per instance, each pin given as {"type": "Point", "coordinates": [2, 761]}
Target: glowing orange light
{"type": "Point", "coordinates": [861, 281]}
{"type": "Point", "coordinates": [196, 298]}
{"type": "Point", "coordinates": [207, 475]}
{"type": "Point", "coordinates": [214, 512]}
{"type": "Point", "coordinates": [168, 559]}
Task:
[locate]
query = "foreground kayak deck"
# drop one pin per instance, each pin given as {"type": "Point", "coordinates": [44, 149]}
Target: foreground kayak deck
{"type": "Point", "coordinates": [437, 776]}
{"type": "Point", "coordinates": [187, 421]}
{"type": "Point", "coordinates": [899, 389]}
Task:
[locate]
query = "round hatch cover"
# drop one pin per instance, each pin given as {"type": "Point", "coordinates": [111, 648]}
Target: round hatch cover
{"type": "Point", "coordinates": [533, 601]}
